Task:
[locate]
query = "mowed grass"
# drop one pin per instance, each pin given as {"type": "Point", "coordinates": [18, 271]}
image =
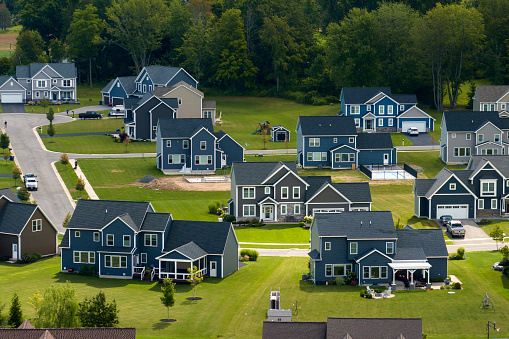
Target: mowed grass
{"type": "Point", "coordinates": [273, 233]}
{"type": "Point", "coordinates": [86, 96]}
{"type": "Point", "coordinates": [463, 98]}
{"type": "Point", "coordinates": [504, 225]}
{"type": "Point", "coordinates": [428, 161]}
{"type": "Point", "coordinates": [85, 126]}
{"type": "Point", "coordinates": [400, 139]}
{"type": "Point", "coordinates": [70, 178]}
{"type": "Point", "coordinates": [95, 144]}
{"type": "Point", "coordinates": [241, 115]}
{"type": "Point", "coordinates": [236, 306]}
{"type": "Point", "coordinates": [114, 173]}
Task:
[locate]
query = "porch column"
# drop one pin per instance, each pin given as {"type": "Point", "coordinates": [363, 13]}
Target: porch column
{"type": "Point", "coordinates": [394, 277]}
{"type": "Point", "coordinates": [411, 278]}
{"type": "Point", "coordinates": [427, 275]}
{"type": "Point", "coordinates": [275, 212]}
{"type": "Point", "coordinates": [174, 269]}
{"type": "Point", "coordinates": [159, 262]}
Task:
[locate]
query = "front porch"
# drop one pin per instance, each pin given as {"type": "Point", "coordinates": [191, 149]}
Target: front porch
{"type": "Point", "coordinates": [177, 270]}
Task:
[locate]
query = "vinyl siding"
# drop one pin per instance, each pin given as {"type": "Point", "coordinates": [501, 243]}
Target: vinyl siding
{"type": "Point", "coordinates": [43, 242]}
{"type": "Point", "coordinates": [231, 254]}
{"type": "Point", "coordinates": [438, 267]}
{"type": "Point", "coordinates": [234, 152]}
{"type": "Point", "coordinates": [452, 200]}
{"type": "Point", "coordinates": [191, 102]}
{"type": "Point", "coordinates": [6, 241]}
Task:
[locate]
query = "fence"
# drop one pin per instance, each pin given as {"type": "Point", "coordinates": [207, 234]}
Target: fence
{"type": "Point", "coordinates": [410, 170]}
{"type": "Point", "coordinates": [366, 171]}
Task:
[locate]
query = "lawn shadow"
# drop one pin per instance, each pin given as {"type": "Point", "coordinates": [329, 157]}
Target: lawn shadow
{"type": "Point", "coordinates": [505, 281]}
{"type": "Point", "coordinates": [188, 302]}
{"type": "Point", "coordinates": [102, 283]}
{"type": "Point", "coordinates": [309, 287]}
{"type": "Point", "coordinates": [158, 326]}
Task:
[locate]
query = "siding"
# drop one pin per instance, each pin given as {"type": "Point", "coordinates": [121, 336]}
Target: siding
{"type": "Point", "coordinates": [234, 152]}
{"type": "Point", "coordinates": [43, 242]}
{"type": "Point", "coordinates": [152, 251]}
{"type": "Point", "coordinates": [6, 241]}
{"type": "Point", "coordinates": [203, 135]}
{"type": "Point", "coordinates": [159, 112]}
{"type": "Point", "coordinates": [438, 267]}
{"type": "Point", "coordinates": [452, 200]}
{"type": "Point", "coordinates": [182, 76]}
{"type": "Point", "coordinates": [142, 119]}
{"type": "Point", "coordinates": [230, 254]}
{"type": "Point", "coordinates": [117, 91]}
{"type": "Point", "coordinates": [191, 106]}
{"type": "Point", "coordinates": [375, 259]}
{"type": "Point", "coordinates": [176, 148]}
{"type": "Point", "coordinates": [376, 157]}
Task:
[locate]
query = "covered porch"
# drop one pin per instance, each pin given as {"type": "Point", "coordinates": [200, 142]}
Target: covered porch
{"type": "Point", "coordinates": [178, 269]}
{"type": "Point", "coordinates": [411, 274]}
{"type": "Point", "coordinates": [268, 209]}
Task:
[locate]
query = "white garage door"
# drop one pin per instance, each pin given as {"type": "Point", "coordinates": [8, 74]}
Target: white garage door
{"type": "Point", "coordinates": [456, 211]}
{"type": "Point", "coordinates": [421, 125]}
{"type": "Point", "coordinates": [12, 98]}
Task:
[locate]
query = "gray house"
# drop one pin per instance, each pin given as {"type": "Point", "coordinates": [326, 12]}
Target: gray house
{"type": "Point", "coordinates": [273, 191]}
{"type": "Point", "coordinates": [491, 98]}
{"type": "Point", "coordinates": [467, 133]}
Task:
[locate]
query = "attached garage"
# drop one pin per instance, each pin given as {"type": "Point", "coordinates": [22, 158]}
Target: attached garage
{"type": "Point", "coordinates": [456, 211]}
{"type": "Point", "coordinates": [12, 98]}
{"type": "Point", "coordinates": [420, 125]}
{"type": "Point", "coordinates": [117, 101]}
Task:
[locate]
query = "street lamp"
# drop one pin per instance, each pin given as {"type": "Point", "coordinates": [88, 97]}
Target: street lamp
{"type": "Point", "coordinates": [491, 325]}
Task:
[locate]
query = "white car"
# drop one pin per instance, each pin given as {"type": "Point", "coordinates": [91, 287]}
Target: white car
{"type": "Point", "coordinates": [117, 111]}
{"type": "Point", "coordinates": [413, 131]}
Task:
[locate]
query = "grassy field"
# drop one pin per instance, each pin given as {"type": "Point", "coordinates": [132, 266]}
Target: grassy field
{"type": "Point", "coordinates": [86, 126]}
{"type": "Point", "coordinates": [292, 234]}
{"type": "Point", "coordinates": [95, 144]}
{"type": "Point", "coordinates": [70, 178]}
{"type": "Point", "coordinates": [236, 306]}
{"type": "Point", "coordinates": [86, 96]}
{"type": "Point", "coordinates": [504, 225]}
{"type": "Point", "coordinates": [428, 161]}
{"type": "Point", "coordinates": [400, 139]}
{"type": "Point", "coordinates": [462, 100]}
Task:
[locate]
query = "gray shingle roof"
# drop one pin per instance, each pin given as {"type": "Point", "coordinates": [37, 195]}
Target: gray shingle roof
{"type": "Point", "coordinates": [371, 328]}
{"type": "Point", "coordinates": [95, 214]}
{"type": "Point", "coordinates": [183, 128]}
{"type": "Point", "coordinates": [405, 98]}
{"type": "Point", "coordinates": [354, 191]}
{"type": "Point", "coordinates": [294, 330]}
{"type": "Point", "coordinates": [374, 141]}
{"type": "Point", "coordinates": [172, 102]}
{"type": "Point", "coordinates": [65, 333]}
{"type": "Point", "coordinates": [208, 104]}
{"type": "Point", "coordinates": [501, 162]}
{"type": "Point", "coordinates": [156, 222]}
{"type": "Point", "coordinates": [9, 194]}
{"type": "Point", "coordinates": [314, 254]}
{"type": "Point", "coordinates": [14, 216]}
{"type": "Point", "coordinates": [107, 88]}
{"type": "Point", "coordinates": [431, 241]}
{"type": "Point", "coordinates": [254, 173]}
{"type": "Point", "coordinates": [160, 75]}
{"type": "Point", "coordinates": [126, 218]}
{"type": "Point", "coordinates": [469, 121]}
{"type": "Point", "coordinates": [359, 95]}
{"type": "Point", "coordinates": [191, 250]}
{"type": "Point", "coordinates": [422, 186]}
{"type": "Point", "coordinates": [315, 183]}
{"type": "Point", "coordinates": [356, 225]}
{"type": "Point", "coordinates": [23, 71]}
{"type": "Point", "coordinates": [131, 103]}
{"type": "Point", "coordinates": [3, 79]}
{"type": "Point", "coordinates": [490, 93]}
{"type": "Point", "coordinates": [440, 178]}
{"type": "Point", "coordinates": [209, 236]}
{"type": "Point", "coordinates": [128, 84]}
{"type": "Point", "coordinates": [65, 240]}
{"type": "Point", "coordinates": [66, 70]}
{"type": "Point", "coordinates": [327, 125]}
{"type": "Point", "coordinates": [409, 253]}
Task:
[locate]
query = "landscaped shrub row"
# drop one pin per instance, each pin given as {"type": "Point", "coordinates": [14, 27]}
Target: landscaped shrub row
{"type": "Point", "coordinates": [453, 286]}
{"type": "Point", "coordinates": [27, 258]}
{"type": "Point", "coordinates": [248, 255]}
{"type": "Point", "coordinates": [251, 223]}
{"type": "Point", "coordinates": [87, 270]}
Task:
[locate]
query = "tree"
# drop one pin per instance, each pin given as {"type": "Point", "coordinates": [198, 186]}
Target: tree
{"type": "Point", "coordinates": [45, 103]}
{"type": "Point", "coordinates": [59, 307]}
{"type": "Point", "coordinates": [195, 50]}
{"type": "Point", "coordinates": [57, 50]}
{"type": "Point", "coordinates": [15, 313]}
{"type": "Point", "coordinates": [23, 194]}
{"type": "Point", "coordinates": [16, 173]}
{"type": "Point", "coordinates": [29, 48]}
{"type": "Point", "coordinates": [51, 131]}
{"type": "Point", "coordinates": [168, 298]}
{"type": "Point", "coordinates": [126, 142]}
{"type": "Point", "coordinates": [505, 252]}
{"type": "Point", "coordinates": [195, 278]}
{"type": "Point", "coordinates": [5, 141]}
{"type": "Point", "coordinates": [85, 35]}
{"type": "Point", "coordinates": [51, 114]}
{"type": "Point", "coordinates": [264, 137]}
{"type": "Point", "coordinates": [470, 95]}
{"type": "Point", "coordinates": [6, 156]}
{"type": "Point", "coordinates": [497, 234]}
{"type": "Point", "coordinates": [138, 27]}
{"type": "Point", "coordinates": [80, 185]}
{"type": "Point", "coordinates": [5, 18]}
{"type": "Point", "coordinates": [64, 160]}
{"type": "Point", "coordinates": [96, 312]}
{"type": "Point", "coordinates": [67, 219]}
{"type": "Point", "coordinates": [35, 301]}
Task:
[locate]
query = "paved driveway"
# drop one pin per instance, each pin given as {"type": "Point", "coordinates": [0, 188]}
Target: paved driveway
{"type": "Point", "coordinates": [423, 139]}
{"type": "Point", "coordinates": [472, 231]}
{"type": "Point", "coordinates": [13, 108]}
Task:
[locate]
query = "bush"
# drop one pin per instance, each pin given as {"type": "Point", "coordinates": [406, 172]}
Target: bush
{"type": "Point", "coordinates": [252, 254]}
{"type": "Point", "coordinates": [25, 258]}
{"type": "Point", "coordinates": [308, 220]}
{"type": "Point", "coordinates": [340, 281]}
{"type": "Point", "coordinates": [456, 286]}
{"type": "Point", "coordinates": [87, 270]}
{"type": "Point", "coordinates": [229, 218]}
{"type": "Point", "coordinates": [505, 271]}
{"type": "Point", "coordinates": [363, 293]}
{"type": "Point", "coordinates": [448, 287]}
{"type": "Point", "coordinates": [460, 253]}
{"type": "Point", "coordinates": [215, 208]}
{"type": "Point", "coordinates": [351, 277]}
{"type": "Point", "coordinates": [34, 257]}
{"type": "Point", "coordinates": [302, 224]}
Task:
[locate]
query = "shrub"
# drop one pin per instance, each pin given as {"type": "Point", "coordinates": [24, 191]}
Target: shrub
{"type": "Point", "coordinates": [505, 271]}
{"type": "Point", "coordinates": [340, 281]}
{"type": "Point", "coordinates": [308, 220]}
{"type": "Point", "coordinates": [354, 283]}
{"type": "Point", "coordinates": [456, 286]}
{"type": "Point", "coordinates": [215, 208]}
{"type": "Point", "coordinates": [229, 218]}
{"type": "Point", "coordinates": [448, 287]}
{"type": "Point", "coordinates": [34, 257]}
{"type": "Point", "coordinates": [442, 287]}
{"type": "Point", "coordinates": [252, 254]}
{"type": "Point", "coordinates": [87, 270]}
{"type": "Point", "coordinates": [25, 258]}
{"type": "Point", "coordinates": [460, 253]}
{"type": "Point", "coordinates": [351, 277]}
{"type": "Point", "coordinates": [302, 223]}
{"type": "Point", "coordinates": [363, 293]}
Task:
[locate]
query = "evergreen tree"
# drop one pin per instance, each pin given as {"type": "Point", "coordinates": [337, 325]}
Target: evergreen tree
{"type": "Point", "coordinates": [15, 313]}
{"type": "Point", "coordinates": [96, 312]}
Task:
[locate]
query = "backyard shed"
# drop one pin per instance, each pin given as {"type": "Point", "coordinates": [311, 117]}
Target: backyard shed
{"type": "Point", "coordinates": [279, 134]}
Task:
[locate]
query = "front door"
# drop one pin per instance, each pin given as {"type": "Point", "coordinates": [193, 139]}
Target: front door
{"type": "Point", "coordinates": [213, 269]}
{"type": "Point", "coordinates": [15, 251]}
{"type": "Point", "coordinates": [268, 212]}
{"type": "Point", "coordinates": [55, 96]}
{"type": "Point", "coordinates": [369, 124]}
{"type": "Point", "coordinates": [223, 160]}
{"type": "Point", "coordinates": [386, 159]}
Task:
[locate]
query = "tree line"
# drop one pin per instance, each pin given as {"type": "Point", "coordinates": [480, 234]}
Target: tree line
{"type": "Point", "coordinates": [302, 49]}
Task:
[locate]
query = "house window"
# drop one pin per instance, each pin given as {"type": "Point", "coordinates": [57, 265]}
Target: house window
{"type": "Point", "coordinates": [37, 94]}
{"type": "Point", "coordinates": [492, 107]}
{"type": "Point", "coordinates": [335, 140]}
{"type": "Point", "coordinates": [314, 142]}
{"type": "Point", "coordinates": [296, 192]}
{"type": "Point", "coordinates": [355, 109]}
{"type": "Point", "coordinates": [296, 209]}
{"type": "Point", "coordinates": [461, 151]}
{"type": "Point", "coordinates": [168, 143]}
{"type": "Point", "coordinates": [29, 93]}
{"type": "Point", "coordinates": [351, 140]}
{"type": "Point", "coordinates": [503, 106]}
{"type": "Point", "coordinates": [29, 81]}
{"type": "Point", "coordinates": [341, 269]}
{"type": "Point", "coordinates": [480, 138]}
{"type": "Point", "coordinates": [389, 109]}
{"type": "Point", "coordinates": [41, 83]}
{"type": "Point", "coordinates": [127, 240]}
{"type": "Point", "coordinates": [36, 225]}
{"type": "Point", "coordinates": [353, 248]}
{"type": "Point", "coordinates": [46, 94]}
{"type": "Point", "coordinates": [248, 192]}
{"type": "Point", "coordinates": [180, 101]}
{"type": "Point", "coordinates": [115, 261]}
{"type": "Point", "coordinates": [249, 210]}
{"type": "Point", "coordinates": [284, 192]}
{"type": "Point", "coordinates": [154, 128]}
{"type": "Point", "coordinates": [267, 190]}
{"type": "Point", "coordinates": [380, 122]}
{"type": "Point", "coordinates": [207, 114]}
{"type": "Point", "coordinates": [365, 272]}
{"type": "Point", "coordinates": [488, 188]}
{"type": "Point", "coordinates": [381, 110]}
{"type": "Point", "coordinates": [453, 135]}
{"type": "Point", "coordinates": [401, 107]}
{"type": "Point", "coordinates": [391, 122]}
{"type": "Point", "coordinates": [485, 107]}
{"type": "Point", "coordinates": [144, 88]}
{"type": "Point", "coordinates": [110, 240]}
{"type": "Point", "coordinates": [176, 158]}
{"type": "Point", "coordinates": [357, 122]}
{"type": "Point", "coordinates": [96, 237]}
{"type": "Point", "coordinates": [144, 258]}
{"type": "Point", "coordinates": [345, 157]}
{"type": "Point", "coordinates": [203, 159]}
{"type": "Point", "coordinates": [317, 156]}
{"type": "Point", "coordinates": [389, 248]}
{"type": "Point", "coordinates": [77, 234]}
{"type": "Point", "coordinates": [328, 270]}
{"type": "Point", "coordinates": [66, 83]}
{"type": "Point", "coordinates": [497, 138]}
{"type": "Point", "coordinates": [375, 272]}
{"type": "Point", "coordinates": [283, 209]}
{"type": "Point", "coordinates": [203, 145]}
{"type": "Point", "coordinates": [480, 204]}
{"type": "Point", "coordinates": [83, 257]}
{"type": "Point", "coordinates": [327, 246]}
{"type": "Point", "coordinates": [452, 187]}
{"type": "Point", "coordinates": [469, 136]}
{"type": "Point", "coordinates": [493, 204]}
{"type": "Point", "coordinates": [185, 144]}
{"type": "Point", "coordinates": [151, 240]}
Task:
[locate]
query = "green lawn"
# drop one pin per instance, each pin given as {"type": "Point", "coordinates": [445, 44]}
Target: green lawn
{"type": "Point", "coordinates": [273, 233]}
{"type": "Point", "coordinates": [504, 225]}
{"type": "Point", "coordinates": [400, 139]}
{"type": "Point", "coordinates": [462, 100]}
{"type": "Point", "coordinates": [86, 96]}
{"type": "Point", "coordinates": [95, 144]}
{"type": "Point", "coordinates": [6, 166]}
{"type": "Point", "coordinates": [236, 306]}
{"type": "Point", "coordinates": [429, 161]}
{"type": "Point", "coordinates": [86, 126]}
{"type": "Point", "coordinates": [70, 178]}
{"type": "Point", "coordinates": [303, 247]}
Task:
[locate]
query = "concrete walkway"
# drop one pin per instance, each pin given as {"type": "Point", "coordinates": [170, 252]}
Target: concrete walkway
{"type": "Point", "coordinates": [88, 188]}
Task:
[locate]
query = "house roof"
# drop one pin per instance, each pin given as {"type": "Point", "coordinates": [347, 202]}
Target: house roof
{"type": "Point", "coordinates": [254, 173]}
{"type": "Point", "coordinates": [128, 84]}
{"type": "Point", "coordinates": [359, 95]}
{"type": "Point", "coordinates": [409, 253]}
{"type": "Point", "coordinates": [469, 121]}
{"type": "Point", "coordinates": [107, 88]}
{"type": "Point", "coordinates": [430, 240]}
{"type": "Point", "coordinates": [439, 179]}
{"type": "Point", "coordinates": [95, 214]}
{"type": "Point", "coordinates": [208, 104]}
{"type": "Point", "coordinates": [327, 125]}
{"type": "Point", "coordinates": [161, 91]}
{"type": "Point", "coordinates": [356, 225]}
{"type": "Point", "coordinates": [500, 162]}
{"type": "Point", "coordinates": [160, 75]}
{"type": "Point", "coordinates": [490, 93]}
{"type": "Point", "coordinates": [14, 216]}
{"type": "Point", "coordinates": [405, 98]}
{"type": "Point", "coordinates": [314, 254]}
{"type": "Point", "coordinates": [315, 183]}
{"type": "Point", "coordinates": [156, 221]}
{"type": "Point", "coordinates": [4, 78]}
{"type": "Point", "coordinates": [172, 102]}
{"type": "Point", "coordinates": [191, 250]}
{"type": "Point", "coordinates": [380, 328]}
{"type": "Point", "coordinates": [374, 141]}
{"type": "Point", "coordinates": [65, 240]}
{"type": "Point", "coordinates": [354, 191]}
{"type": "Point", "coordinates": [209, 236]}
{"type": "Point", "coordinates": [183, 128]}
{"type": "Point", "coordinates": [294, 330]}
{"type": "Point", "coordinates": [9, 194]}
{"type": "Point", "coordinates": [66, 70]}
{"type": "Point", "coordinates": [422, 186]}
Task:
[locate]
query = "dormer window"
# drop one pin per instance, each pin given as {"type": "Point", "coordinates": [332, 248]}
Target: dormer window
{"type": "Point", "coordinates": [452, 187]}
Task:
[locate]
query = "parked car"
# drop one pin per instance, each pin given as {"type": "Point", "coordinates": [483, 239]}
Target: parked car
{"type": "Point", "coordinates": [444, 219]}
{"type": "Point", "coordinates": [30, 181]}
{"type": "Point", "coordinates": [497, 267]}
{"type": "Point", "coordinates": [413, 131]}
{"type": "Point", "coordinates": [456, 228]}
{"type": "Point", "coordinates": [117, 111]}
{"type": "Point", "coordinates": [90, 115]}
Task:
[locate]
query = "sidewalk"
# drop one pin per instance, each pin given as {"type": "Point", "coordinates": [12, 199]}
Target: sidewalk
{"type": "Point", "coordinates": [88, 188]}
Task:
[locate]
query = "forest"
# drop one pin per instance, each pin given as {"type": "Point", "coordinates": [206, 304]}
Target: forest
{"type": "Point", "coordinates": [305, 50]}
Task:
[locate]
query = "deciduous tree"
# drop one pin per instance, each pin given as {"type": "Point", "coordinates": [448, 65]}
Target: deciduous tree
{"type": "Point", "coordinates": [16, 174]}
{"type": "Point", "coordinates": [23, 194]}
{"type": "Point", "coordinates": [195, 278]}
{"type": "Point", "coordinates": [5, 141]}
{"type": "Point", "coordinates": [80, 185]}
{"type": "Point", "coordinates": [64, 160]}
{"type": "Point", "coordinates": [195, 49]}
{"type": "Point", "coordinates": [96, 312]}
{"type": "Point", "coordinates": [59, 307]}
{"type": "Point", "coordinates": [5, 18]}
{"type": "Point", "coordinates": [29, 48]}
{"type": "Point", "coordinates": [168, 298]}
{"type": "Point", "coordinates": [35, 301]}
{"type": "Point", "coordinates": [497, 234]}
{"type": "Point", "coordinates": [51, 131]}
{"type": "Point", "coordinates": [50, 115]}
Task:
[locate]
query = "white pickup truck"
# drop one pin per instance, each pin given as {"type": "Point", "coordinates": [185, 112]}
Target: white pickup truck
{"type": "Point", "coordinates": [30, 181]}
{"type": "Point", "coordinates": [456, 228]}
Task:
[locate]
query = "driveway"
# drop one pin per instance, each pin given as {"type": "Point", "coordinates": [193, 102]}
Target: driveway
{"type": "Point", "coordinates": [472, 231]}
{"type": "Point", "coordinates": [13, 108]}
{"type": "Point", "coordinates": [423, 139]}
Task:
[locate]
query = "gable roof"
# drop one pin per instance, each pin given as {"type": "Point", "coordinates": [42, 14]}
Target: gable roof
{"type": "Point", "coordinates": [469, 121]}
{"type": "Point", "coordinates": [359, 95]}
{"type": "Point", "coordinates": [128, 84]}
{"type": "Point", "coordinates": [27, 332]}
{"type": "Point", "coordinates": [422, 186]}
{"type": "Point", "coordinates": [327, 125]}
{"type": "Point", "coordinates": [106, 89]}
{"type": "Point", "coordinates": [191, 250]}
{"type": "Point", "coordinates": [500, 162]}
{"type": "Point", "coordinates": [374, 141]}
{"type": "Point", "coordinates": [14, 216]}
{"type": "Point", "coordinates": [443, 176]}
{"type": "Point", "coordinates": [380, 328]}
{"type": "Point", "coordinates": [315, 183]}
{"type": "Point", "coordinates": [356, 225]}
{"type": "Point", "coordinates": [405, 98]}
{"type": "Point", "coordinates": [490, 93]}
{"type": "Point", "coordinates": [183, 128]}
{"type": "Point", "coordinates": [161, 75]}
{"type": "Point", "coordinates": [430, 240]}
{"type": "Point", "coordinates": [156, 222]}
{"type": "Point", "coordinates": [294, 330]}
{"type": "Point", "coordinates": [161, 91]}
{"type": "Point", "coordinates": [66, 70]}
{"type": "Point", "coordinates": [254, 173]}
{"type": "Point", "coordinates": [7, 192]}
{"type": "Point", "coordinates": [208, 104]}
{"type": "Point", "coordinates": [354, 191]}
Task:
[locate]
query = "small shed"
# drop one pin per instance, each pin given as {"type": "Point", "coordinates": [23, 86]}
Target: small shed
{"type": "Point", "coordinates": [279, 134]}
{"type": "Point", "coordinates": [275, 313]}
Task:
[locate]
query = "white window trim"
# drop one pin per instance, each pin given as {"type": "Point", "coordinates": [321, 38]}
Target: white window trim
{"type": "Point", "coordinates": [143, 258]}
{"type": "Point", "coordinates": [295, 207]}
{"type": "Point", "coordinates": [98, 236]}
{"type": "Point", "coordinates": [351, 140]}
{"type": "Point", "coordinates": [120, 257]}
{"type": "Point", "coordinates": [494, 202]}
{"type": "Point", "coordinates": [36, 225]}
{"type": "Point", "coordinates": [480, 138]}
{"type": "Point", "coordinates": [390, 110]}
{"type": "Point", "coordinates": [452, 187]}
{"type": "Point", "coordinates": [335, 140]}
{"type": "Point", "coordinates": [391, 122]}
{"type": "Point", "coordinates": [488, 181]}
{"type": "Point", "coordinates": [327, 246]}
{"type": "Point", "coordinates": [267, 190]}
{"type": "Point", "coordinates": [296, 196]}
{"type": "Point", "coordinates": [480, 204]}
{"type": "Point", "coordinates": [355, 108]}
{"type": "Point", "coordinates": [287, 192]}
{"type": "Point", "coordinates": [357, 122]}
{"type": "Point", "coordinates": [495, 137]}
{"type": "Point", "coordinates": [244, 210]}
{"type": "Point", "coordinates": [468, 136]}
{"type": "Point", "coordinates": [453, 135]}
{"type": "Point", "coordinates": [346, 268]}
{"type": "Point", "coordinates": [203, 145]}
{"type": "Point", "coordinates": [91, 255]}
{"type": "Point", "coordinates": [459, 153]}
{"type": "Point", "coordinates": [154, 128]}
{"type": "Point", "coordinates": [168, 143]}
{"type": "Point", "coordinates": [124, 239]}
{"type": "Point", "coordinates": [387, 247]}
{"type": "Point", "coordinates": [381, 110]}
{"type": "Point", "coordinates": [315, 143]}
{"type": "Point", "coordinates": [185, 144]}
{"type": "Point", "coordinates": [356, 248]}
{"type": "Point", "coordinates": [331, 272]}
{"type": "Point", "coordinates": [77, 234]}
{"type": "Point", "coordinates": [401, 107]}
{"type": "Point", "coordinates": [107, 239]}
{"type": "Point", "coordinates": [380, 122]}
{"type": "Point", "coordinates": [247, 189]}
{"type": "Point", "coordinates": [284, 209]}
{"type": "Point", "coordinates": [149, 237]}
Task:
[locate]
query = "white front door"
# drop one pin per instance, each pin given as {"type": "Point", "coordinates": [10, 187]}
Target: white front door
{"type": "Point", "coordinates": [15, 251]}
{"type": "Point", "coordinates": [223, 160]}
{"type": "Point", "coordinates": [386, 159]}
{"type": "Point", "coordinates": [213, 269]}
{"type": "Point", "coordinates": [268, 212]}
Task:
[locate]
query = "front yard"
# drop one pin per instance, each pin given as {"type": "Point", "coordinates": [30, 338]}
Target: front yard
{"type": "Point", "coordinates": [235, 307]}
{"type": "Point", "coordinates": [95, 144]}
{"type": "Point", "coordinates": [86, 96]}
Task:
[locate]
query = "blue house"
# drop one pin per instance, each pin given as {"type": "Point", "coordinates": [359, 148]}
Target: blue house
{"type": "Point", "coordinates": [368, 244]}
{"type": "Point", "coordinates": [122, 239]}
{"type": "Point", "coordinates": [376, 109]}
{"type": "Point", "coordinates": [118, 90]}
{"type": "Point", "coordinates": [333, 141]}
{"type": "Point", "coordinates": [188, 145]}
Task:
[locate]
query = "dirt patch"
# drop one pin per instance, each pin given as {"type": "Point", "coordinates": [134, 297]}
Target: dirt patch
{"type": "Point", "coordinates": [177, 183]}
{"type": "Point", "coordinates": [8, 40]}
{"type": "Point", "coordinates": [117, 171]}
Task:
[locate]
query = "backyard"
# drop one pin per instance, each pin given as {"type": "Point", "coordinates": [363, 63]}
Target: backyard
{"type": "Point", "coordinates": [235, 307]}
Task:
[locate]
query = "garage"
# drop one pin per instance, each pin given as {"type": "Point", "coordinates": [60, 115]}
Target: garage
{"type": "Point", "coordinates": [12, 98]}
{"type": "Point", "coordinates": [456, 211]}
{"type": "Point", "coordinates": [420, 125]}
{"type": "Point", "coordinates": [117, 101]}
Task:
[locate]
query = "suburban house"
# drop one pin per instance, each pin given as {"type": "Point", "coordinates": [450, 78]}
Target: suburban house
{"type": "Point", "coordinates": [368, 244]}
{"type": "Point", "coordinates": [118, 90]}
{"type": "Point", "coordinates": [492, 98]}
{"type": "Point", "coordinates": [376, 109]}
{"type": "Point", "coordinates": [53, 81]}
{"type": "Point", "coordinates": [273, 191]}
{"type": "Point", "coordinates": [122, 239]}
{"type": "Point", "coordinates": [24, 228]}
{"type": "Point", "coordinates": [480, 190]}
{"type": "Point", "coordinates": [188, 145]}
{"type": "Point", "coordinates": [467, 133]}
{"type": "Point", "coordinates": [333, 142]}
{"type": "Point", "coordinates": [345, 328]}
